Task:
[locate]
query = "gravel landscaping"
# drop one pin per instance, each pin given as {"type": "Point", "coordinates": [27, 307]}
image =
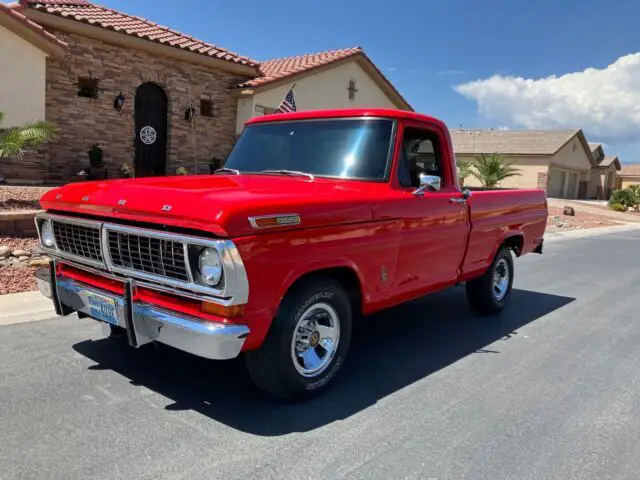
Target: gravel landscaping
{"type": "Point", "coordinates": [558, 221]}
{"type": "Point", "coordinates": [18, 262]}
{"type": "Point", "coordinates": [21, 198]}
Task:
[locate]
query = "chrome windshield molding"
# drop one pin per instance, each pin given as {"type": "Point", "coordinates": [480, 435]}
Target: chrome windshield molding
{"type": "Point", "coordinates": [235, 290]}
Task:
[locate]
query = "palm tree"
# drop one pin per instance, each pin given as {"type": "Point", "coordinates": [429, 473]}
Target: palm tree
{"type": "Point", "coordinates": [492, 170]}
{"type": "Point", "coordinates": [15, 141]}
{"type": "Point", "coordinates": [464, 170]}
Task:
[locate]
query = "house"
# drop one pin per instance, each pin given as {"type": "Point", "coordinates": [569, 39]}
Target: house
{"type": "Point", "coordinates": [559, 161]}
{"type": "Point", "coordinates": [629, 175]}
{"type": "Point", "coordinates": [159, 99]}
{"type": "Point", "coordinates": [335, 79]}
{"type": "Point", "coordinates": [604, 177]}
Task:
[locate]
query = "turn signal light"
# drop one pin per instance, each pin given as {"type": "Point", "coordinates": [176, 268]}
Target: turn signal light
{"type": "Point", "coordinates": [222, 310]}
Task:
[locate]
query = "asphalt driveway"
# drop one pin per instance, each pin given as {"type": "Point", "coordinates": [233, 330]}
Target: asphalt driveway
{"type": "Point", "coordinates": [550, 389]}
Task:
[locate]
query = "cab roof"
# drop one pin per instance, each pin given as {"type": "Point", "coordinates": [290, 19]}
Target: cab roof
{"type": "Point", "coordinates": [350, 112]}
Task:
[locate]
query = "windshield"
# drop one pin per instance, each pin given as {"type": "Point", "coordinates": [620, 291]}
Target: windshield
{"type": "Point", "coordinates": [352, 148]}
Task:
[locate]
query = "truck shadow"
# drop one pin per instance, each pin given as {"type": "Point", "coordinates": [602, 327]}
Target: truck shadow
{"type": "Point", "coordinates": [390, 351]}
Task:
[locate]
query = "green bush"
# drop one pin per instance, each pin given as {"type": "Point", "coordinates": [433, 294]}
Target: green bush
{"type": "Point", "coordinates": [618, 207]}
{"type": "Point", "coordinates": [627, 197]}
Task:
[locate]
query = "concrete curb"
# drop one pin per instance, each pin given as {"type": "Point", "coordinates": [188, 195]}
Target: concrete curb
{"type": "Point", "coordinates": [24, 307]}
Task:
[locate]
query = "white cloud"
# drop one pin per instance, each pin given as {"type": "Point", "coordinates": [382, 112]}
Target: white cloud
{"type": "Point", "coordinates": [604, 102]}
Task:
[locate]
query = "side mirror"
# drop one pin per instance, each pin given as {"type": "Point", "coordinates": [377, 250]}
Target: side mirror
{"type": "Point", "coordinates": [428, 182]}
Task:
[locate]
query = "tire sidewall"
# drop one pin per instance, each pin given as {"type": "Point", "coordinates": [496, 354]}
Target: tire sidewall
{"type": "Point", "coordinates": [505, 254]}
{"type": "Point", "coordinates": [320, 292]}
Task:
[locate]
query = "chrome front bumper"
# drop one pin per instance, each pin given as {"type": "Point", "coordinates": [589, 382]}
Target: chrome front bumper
{"type": "Point", "coordinates": [146, 323]}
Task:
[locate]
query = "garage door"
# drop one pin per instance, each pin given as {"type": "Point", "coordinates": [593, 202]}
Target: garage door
{"type": "Point", "coordinates": [556, 182]}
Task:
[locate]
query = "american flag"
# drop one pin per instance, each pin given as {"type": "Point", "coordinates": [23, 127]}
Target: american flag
{"type": "Point", "coordinates": [288, 103]}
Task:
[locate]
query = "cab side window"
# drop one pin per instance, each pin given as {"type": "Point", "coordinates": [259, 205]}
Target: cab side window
{"type": "Point", "coordinates": [420, 154]}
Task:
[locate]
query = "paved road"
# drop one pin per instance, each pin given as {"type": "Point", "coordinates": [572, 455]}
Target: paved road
{"type": "Point", "coordinates": [550, 390]}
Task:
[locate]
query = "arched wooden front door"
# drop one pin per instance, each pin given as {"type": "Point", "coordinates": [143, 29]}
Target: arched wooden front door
{"type": "Point", "coordinates": [151, 130]}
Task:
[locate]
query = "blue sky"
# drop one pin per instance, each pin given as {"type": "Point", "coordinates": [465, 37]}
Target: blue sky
{"type": "Point", "coordinates": [504, 53]}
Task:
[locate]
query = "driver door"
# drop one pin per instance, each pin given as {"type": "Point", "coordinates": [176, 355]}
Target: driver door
{"type": "Point", "coordinates": [435, 223]}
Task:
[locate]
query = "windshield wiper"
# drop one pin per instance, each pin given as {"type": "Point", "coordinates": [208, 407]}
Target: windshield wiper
{"type": "Point", "coordinates": [228, 170]}
{"type": "Point", "coordinates": [291, 172]}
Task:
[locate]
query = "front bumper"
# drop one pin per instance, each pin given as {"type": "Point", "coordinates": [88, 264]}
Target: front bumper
{"type": "Point", "coordinates": [146, 323]}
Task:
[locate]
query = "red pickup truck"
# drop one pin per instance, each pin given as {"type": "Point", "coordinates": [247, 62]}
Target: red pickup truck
{"type": "Point", "coordinates": [315, 219]}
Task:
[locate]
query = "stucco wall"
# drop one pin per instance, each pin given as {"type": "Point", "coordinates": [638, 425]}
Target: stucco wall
{"type": "Point", "coordinates": [626, 181]}
{"type": "Point", "coordinates": [324, 89]}
{"type": "Point", "coordinates": [573, 157]}
{"type": "Point", "coordinates": [530, 168]}
{"type": "Point", "coordinates": [22, 80]}
{"type": "Point", "coordinates": [598, 185]}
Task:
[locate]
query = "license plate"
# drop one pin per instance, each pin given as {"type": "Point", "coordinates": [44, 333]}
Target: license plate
{"type": "Point", "coordinates": [102, 308]}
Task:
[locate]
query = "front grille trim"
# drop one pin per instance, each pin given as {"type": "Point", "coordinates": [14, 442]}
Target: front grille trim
{"type": "Point", "coordinates": [234, 290]}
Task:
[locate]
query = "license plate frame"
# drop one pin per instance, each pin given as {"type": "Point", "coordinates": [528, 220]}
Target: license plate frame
{"type": "Point", "coordinates": [102, 307]}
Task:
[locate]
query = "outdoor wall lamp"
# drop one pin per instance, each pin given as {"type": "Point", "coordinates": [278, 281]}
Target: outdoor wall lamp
{"type": "Point", "coordinates": [188, 113]}
{"type": "Point", "coordinates": [118, 103]}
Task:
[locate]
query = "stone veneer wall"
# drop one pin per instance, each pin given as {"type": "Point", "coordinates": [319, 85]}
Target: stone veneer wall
{"type": "Point", "coordinates": [84, 121]}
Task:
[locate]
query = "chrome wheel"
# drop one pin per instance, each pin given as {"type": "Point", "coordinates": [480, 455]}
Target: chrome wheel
{"type": "Point", "coordinates": [315, 339]}
{"type": "Point", "coordinates": [501, 279]}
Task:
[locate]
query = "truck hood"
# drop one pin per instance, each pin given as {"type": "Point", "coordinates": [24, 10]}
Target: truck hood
{"type": "Point", "coordinates": [220, 204]}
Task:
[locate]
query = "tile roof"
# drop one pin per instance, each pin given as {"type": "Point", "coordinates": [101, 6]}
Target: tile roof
{"type": "Point", "coordinates": [279, 68]}
{"type": "Point", "coordinates": [87, 12]}
{"type": "Point", "coordinates": [608, 160]}
{"type": "Point", "coordinates": [12, 12]}
{"type": "Point", "coordinates": [594, 146]}
{"type": "Point", "coordinates": [630, 171]}
{"type": "Point", "coordinates": [517, 142]}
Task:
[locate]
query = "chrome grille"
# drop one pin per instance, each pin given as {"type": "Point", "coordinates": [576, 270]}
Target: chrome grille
{"type": "Point", "coordinates": [154, 256]}
{"type": "Point", "coordinates": [79, 240]}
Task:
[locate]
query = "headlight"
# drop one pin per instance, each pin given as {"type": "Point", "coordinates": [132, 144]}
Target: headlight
{"type": "Point", "coordinates": [46, 234]}
{"type": "Point", "coordinates": [210, 266]}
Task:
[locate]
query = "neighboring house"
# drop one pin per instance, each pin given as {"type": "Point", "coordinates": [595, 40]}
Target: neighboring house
{"type": "Point", "coordinates": [629, 175]}
{"type": "Point", "coordinates": [334, 79]}
{"type": "Point", "coordinates": [604, 177]}
{"type": "Point", "coordinates": [24, 48]}
{"type": "Point", "coordinates": [158, 99]}
{"type": "Point", "coordinates": [559, 161]}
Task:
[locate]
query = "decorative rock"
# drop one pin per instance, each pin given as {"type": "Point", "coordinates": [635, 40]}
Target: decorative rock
{"type": "Point", "coordinates": [569, 211]}
{"type": "Point", "coordinates": [20, 253]}
{"type": "Point", "coordinates": [22, 258]}
{"type": "Point", "coordinates": [5, 252]}
{"type": "Point", "coordinates": [39, 262]}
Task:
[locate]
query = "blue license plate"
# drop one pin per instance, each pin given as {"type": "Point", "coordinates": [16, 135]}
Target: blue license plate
{"type": "Point", "coordinates": [102, 308]}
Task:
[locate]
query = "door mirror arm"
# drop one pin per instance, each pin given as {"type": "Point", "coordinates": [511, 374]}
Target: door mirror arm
{"type": "Point", "coordinates": [427, 182]}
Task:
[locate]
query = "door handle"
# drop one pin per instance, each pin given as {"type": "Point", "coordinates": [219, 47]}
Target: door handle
{"type": "Point", "coordinates": [457, 200]}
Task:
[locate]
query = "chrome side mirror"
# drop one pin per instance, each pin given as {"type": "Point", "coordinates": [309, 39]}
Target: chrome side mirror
{"type": "Point", "coordinates": [428, 182]}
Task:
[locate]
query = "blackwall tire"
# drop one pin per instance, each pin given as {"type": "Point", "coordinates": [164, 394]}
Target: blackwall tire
{"type": "Point", "coordinates": [293, 363]}
{"type": "Point", "coordinates": [490, 293]}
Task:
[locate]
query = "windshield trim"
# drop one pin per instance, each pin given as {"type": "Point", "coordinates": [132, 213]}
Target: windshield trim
{"type": "Point", "coordinates": [389, 162]}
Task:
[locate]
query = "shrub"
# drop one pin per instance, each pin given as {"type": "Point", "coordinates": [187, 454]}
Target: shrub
{"type": "Point", "coordinates": [628, 197]}
{"type": "Point", "coordinates": [618, 207]}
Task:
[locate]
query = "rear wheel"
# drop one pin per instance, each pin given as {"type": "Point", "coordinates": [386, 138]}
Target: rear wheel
{"type": "Point", "coordinates": [307, 342]}
{"type": "Point", "coordinates": [490, 293]}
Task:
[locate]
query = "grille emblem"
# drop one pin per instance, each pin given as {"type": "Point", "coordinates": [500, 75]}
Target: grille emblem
{"type": "Point", "coordinates": [166, 208]}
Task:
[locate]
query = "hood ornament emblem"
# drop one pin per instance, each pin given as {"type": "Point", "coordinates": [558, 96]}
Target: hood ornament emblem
{"type": "Point", "coordinates": [85, 199]}
{"type": "Point", "coordinates": [58, 196]}
{"type": "Point", "coordinates": [166, 208]}
{"type": "Point", "coordinates": [122, 202]}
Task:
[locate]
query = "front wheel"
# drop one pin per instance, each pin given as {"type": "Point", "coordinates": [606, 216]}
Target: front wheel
{"type": "Point", "coordinates": [490, 293]}
{"type": "Point", "coordinates": [307, 342]}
